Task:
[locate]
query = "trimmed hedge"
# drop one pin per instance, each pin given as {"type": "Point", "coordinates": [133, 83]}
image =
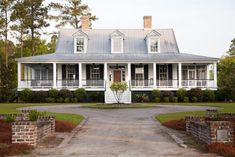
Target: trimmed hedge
{"type": "Point", "coordinates": [181, 93]}
{"type": "Point", "coordinates": [65, 93]}
{"type": "Point", "coordinates": [196, 92]}
{"type": "Point", "coordinates": [80, 94]}
{"type": "Point", "coordinates": [26, 95]}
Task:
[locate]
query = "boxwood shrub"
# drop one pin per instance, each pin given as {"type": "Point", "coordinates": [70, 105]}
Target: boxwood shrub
{"type": "Point", "coordinates": [196, 92]}
{"type": "Point", "coordinates": [39, 96]}
{"type": "Point", "coordinates": [53, 93]}
{"type": "Point", "coordinates": [26, 95]}
{"type": "Point", "coordinates": [208, 95]}
{"type": "Point", "coordinates": [65, 93]}
{"type": "Point", "coordinates": [181, 93]}
{"type": "Point", "coordinates": [80, 94]}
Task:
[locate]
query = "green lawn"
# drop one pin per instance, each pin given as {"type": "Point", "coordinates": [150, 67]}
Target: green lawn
{"type": "Point", "coordinates": [7, 108]}
{"type": "Point", "coordinates": [223, 107]}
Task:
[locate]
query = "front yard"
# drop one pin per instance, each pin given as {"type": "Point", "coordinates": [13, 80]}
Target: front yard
{"type": "Point", "coordinates": [222, 107]}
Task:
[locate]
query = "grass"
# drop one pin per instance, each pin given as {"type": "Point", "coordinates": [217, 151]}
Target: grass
{"type": "Point", "coordinates": [8, 108]}
{"type": "Point", "coordinates": [117, 106]}
{"type": "Point", "coordinates": [222, 107]}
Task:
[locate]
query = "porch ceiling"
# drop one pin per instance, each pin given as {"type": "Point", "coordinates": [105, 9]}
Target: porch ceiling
{"type": "Point", "coordinates": [124, 57]}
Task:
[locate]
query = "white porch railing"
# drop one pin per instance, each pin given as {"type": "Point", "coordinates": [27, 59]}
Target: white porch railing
{"type": "Point", "coordinates": [198, 83]}
{"type": "Point", "coordinates": [142, 83]}
{"type": "Point", "coordinates": [167, 83]}
{"type": "Point", "coordinates": [70, 84]}
{"type": "Point", "coordinates": [93, 83]}
{"type": "Point", "coordinates": [36, 84]}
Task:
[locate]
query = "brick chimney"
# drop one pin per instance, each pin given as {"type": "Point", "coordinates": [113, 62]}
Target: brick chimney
{"type": "Point", "coordinates": [85, 22]}
{"type": "Point", "coordinates": [147, 22]}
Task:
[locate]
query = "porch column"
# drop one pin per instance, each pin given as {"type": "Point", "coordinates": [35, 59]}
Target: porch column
{"type": "Point", "coordinates": [105, 71]}
{"type": "Point", "coordinates": [80, 75]}
{"type": "Point", "coordinates": [19, 74]}
{"type": "Point", "coordinates": [54, 75]}
{"type": "Point", "coordinates": [207, 75]}
{"type": "Point", "coordinates": [215, 74]}
{"type": "Point", "coordinates": [180, 74]}
{"type": "Point", "coordinates": [129, 73]}
{"type": "Point", "coordinates": [154, 75]}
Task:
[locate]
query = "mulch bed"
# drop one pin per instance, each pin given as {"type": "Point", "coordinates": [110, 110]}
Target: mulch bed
{"type": "Point", "coordinates": [6, 148]}
{"type": "Point", "coordinates": [64, 126]}
{"type": "Point", "coordinates": [176, 124]}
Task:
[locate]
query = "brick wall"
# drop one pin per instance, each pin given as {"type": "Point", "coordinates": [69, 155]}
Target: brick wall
{"type": "Point", "coordinates": [31, 132]}
{"type": "Point", "coordinates": [210, 131]}
{"type": "Point", "coordinates": [24, 132]}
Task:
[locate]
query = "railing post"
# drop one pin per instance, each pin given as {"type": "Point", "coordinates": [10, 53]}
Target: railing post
{"type": "Point", "coordinates": [215, 74]}
{"type": "Point", "coordinates": [54, 75]}
{"type": "Point", "coordinates": [80, 75]}
{"type": "Point", "coordinates": [180, 74]}
{"type": "Point", "coordinates": [154, 75]}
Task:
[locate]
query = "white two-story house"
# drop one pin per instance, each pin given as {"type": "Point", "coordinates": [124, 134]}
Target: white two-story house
{"type": "Point", "coordinates": [92, 59]}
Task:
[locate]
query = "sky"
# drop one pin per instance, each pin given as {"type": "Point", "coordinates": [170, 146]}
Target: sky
{"type": "Point", "coordinates": [203, 27]}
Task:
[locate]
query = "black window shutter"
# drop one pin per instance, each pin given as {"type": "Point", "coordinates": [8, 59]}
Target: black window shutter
{"type": "Point", "coordinates": [101, 66]}
{"type": "Point", "coordinates": [88, 67]}
{"type": "Point", "coordinates": [76, 72]}
{"type": "Point", "coordinates": [146, 71]}
{"type": "Point", "coordinates": [157, 71]}
{"type": "Point", "coordinates": [169, 71]}
{"type": "Point", "coordinates": [133, 72]}
{"type": "Point", "coordinates": [63, 72]}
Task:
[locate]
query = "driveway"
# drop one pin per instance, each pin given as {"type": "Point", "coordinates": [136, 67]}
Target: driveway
{"type": "Point", "coordinates": [121, 133]}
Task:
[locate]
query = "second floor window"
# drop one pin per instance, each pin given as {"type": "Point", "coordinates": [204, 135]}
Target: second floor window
{"type": "Point", "coordinates": [154, 45]}
{"type": "Point", "coordinates": [117, 44]}
{"type": "Point", "coordinates": [80, 45]}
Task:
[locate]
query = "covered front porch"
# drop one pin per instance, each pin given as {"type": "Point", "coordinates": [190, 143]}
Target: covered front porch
{"type": "Point", "coordinates": [99, 76]}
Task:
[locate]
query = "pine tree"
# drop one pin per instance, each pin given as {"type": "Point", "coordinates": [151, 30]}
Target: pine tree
{"type": "Point", "coordinates": [70, 13]}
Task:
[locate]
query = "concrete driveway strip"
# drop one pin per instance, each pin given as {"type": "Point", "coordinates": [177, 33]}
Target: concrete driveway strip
{"type": "Point", "coordinates": [121, 133]}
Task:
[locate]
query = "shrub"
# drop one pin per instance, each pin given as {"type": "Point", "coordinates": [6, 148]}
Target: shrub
{"type": "Point", "coordinates": [196, 92]}
{"type": "Point", "coordinates": [39, 96]}
{"type": "Point", "coordinates": [186, 99]}
{"type": "Point", "coordinates": [167, 94]}
{"type": "Point", "coordinates": [118, 89]}
{"type": "Point", "coordinates": [53, 93]}
{"type": "Point", "coordinates": [166, 99]}
{"type": "Point", "coordinates": [59, 100]}
{"type": "Point", "coordinates": [175, 99]}
{"type": "Point", "coordinates": [67, 100]}
{"type": "Point", "coordinates": [10, 119]}
{"type": "Point", "coordinates": [194, 99]}
{"type": "Point", "coordinates": [33, 115]}
{"type": "Point", "coordinates": [96, 96]}
{"type": "Point", "coordinates": [181, 93]}
{"type": "Point", "coordinates": [65, 93]}
{"type": "Point", "coordinates": [208, 95]}
{"type": "Point", "coordinates": [50, 100]}
{"type": "Point", "coordinates": [157, 99]}
{"type": "Point", "coordinates": [26, 95]}
{"type": "Point", "coordinates": [156, 93]}
{"type": "Point", "coordinates": [142, 98]}
{"type": "Point", "coordinates": [74, 100]}
{"type": "Point", "coordinates": [80, 94]}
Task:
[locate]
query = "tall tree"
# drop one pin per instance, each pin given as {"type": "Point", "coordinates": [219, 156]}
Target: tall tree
{"type": "Point", "coordinates": [231, 51]}
{"type": "Point", "coordinates": [52, 44]}
{"type": "Point", "coordinates": [35, 19]}
{"type": "Point", "coordinates": [70, 12]}
{"type": "Point", "coordinates": [5, 11]}
{"type": "Point", "coordinates": [18, 16]}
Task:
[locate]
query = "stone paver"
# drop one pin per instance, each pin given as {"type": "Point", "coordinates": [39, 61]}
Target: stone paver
{"type": "Point", "coordinates": [121, 133]}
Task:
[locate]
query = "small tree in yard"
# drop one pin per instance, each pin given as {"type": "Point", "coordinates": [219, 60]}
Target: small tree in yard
{"type": "Point", "coordinates": [118, 89]}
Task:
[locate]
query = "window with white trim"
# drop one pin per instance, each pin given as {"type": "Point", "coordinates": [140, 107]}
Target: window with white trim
{"type": "Point", "coordinates": [80, 45]}
{"type": "Point", "coordinates": [153, 45]}
{"type": "Point", "coordinates": [117, 44]}
{"type": "Point", "coordinates": [95, 72]}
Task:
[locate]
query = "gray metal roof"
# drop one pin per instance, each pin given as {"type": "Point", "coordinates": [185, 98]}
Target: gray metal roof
{"type": "Point", "coordinates": [159, 57]}
{"type": "Point", "coordinates": [99, 48]}
{"type": "Point", "coordinates": [99, 41]}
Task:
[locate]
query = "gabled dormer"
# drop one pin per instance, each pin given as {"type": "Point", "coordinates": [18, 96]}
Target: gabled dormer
{"type": "Point", "coordinates": [80, 42]}
{"type": "Point", "coordinates": [153, 42]}
{"type": "Point", "coordinates": [117, 42]}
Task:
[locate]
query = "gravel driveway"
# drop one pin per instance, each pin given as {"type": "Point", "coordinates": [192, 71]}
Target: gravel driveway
{"type": "Point", "coordinates": [121, 133]}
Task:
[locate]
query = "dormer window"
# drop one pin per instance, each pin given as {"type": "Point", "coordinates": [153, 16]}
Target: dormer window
{"type": "Point", "coordinates": [154, 45]}
{"type": "Point", "coordinates": [80, 42]}
{"type": "Point", "coordinates": [153, 42]}
{"type": "Point", "coordinates": [117, 42]}
{"type": "Point", "coordinates": [80, 45]}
